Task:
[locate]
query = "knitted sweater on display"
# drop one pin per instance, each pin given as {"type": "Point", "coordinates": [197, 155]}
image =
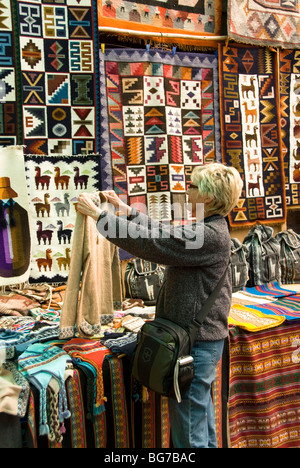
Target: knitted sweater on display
{"type": "Point", "coordinates": [191, 275]}
{"type": "Point", "coordinates": [95, 264]}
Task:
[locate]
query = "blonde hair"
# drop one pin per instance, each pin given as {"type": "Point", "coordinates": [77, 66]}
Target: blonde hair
{"type": "Point", "coordinates": [220, 183]}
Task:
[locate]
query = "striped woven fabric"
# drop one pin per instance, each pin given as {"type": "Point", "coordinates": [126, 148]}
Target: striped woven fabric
{"type": "Point", "coordinates": [270, 289]}
{"type": "Point", "coordinates": [264, 392]}
{"type": "Point", "coordinates": [288, 307]}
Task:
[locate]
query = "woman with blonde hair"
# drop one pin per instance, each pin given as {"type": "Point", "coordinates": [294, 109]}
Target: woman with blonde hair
{"type": "Point", "coordinates": [193, 270]}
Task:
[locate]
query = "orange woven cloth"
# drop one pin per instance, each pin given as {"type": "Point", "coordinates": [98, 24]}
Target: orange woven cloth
{"type": "Point", "coordinates": [193, 18]}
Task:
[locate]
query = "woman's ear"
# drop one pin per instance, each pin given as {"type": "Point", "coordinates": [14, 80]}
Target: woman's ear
{"type": "Point", "coordinates": [205, 199]}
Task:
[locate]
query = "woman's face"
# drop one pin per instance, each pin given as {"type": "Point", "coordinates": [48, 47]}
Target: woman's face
{"type": "Point", "coordinates": [194, 199]}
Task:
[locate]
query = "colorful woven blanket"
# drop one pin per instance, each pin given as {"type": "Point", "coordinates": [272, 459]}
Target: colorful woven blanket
{"type": "Point", "coordinates": [250, 119]}
{"type": "Point", "coordinates": [264, 397]}
{"type": "Point", "coordinates": [160, 118]}
{"type": "Point", "coordinates": [266, 23]}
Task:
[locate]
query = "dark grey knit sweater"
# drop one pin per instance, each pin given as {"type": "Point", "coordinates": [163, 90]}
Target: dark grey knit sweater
{"type": "Point", "coordinates": [192, 274]}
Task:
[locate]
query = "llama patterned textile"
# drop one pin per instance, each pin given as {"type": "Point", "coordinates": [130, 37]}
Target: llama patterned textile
{"type": "Point", "coordinates": [251, 140]}
{"type": "Point", "coordinates": [54, 184]}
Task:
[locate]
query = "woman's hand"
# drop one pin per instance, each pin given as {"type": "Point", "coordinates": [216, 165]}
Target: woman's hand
{"type": "Point", "coordinates": [120, 207]}
{"type": "Point", "coordinates": [86, 206]}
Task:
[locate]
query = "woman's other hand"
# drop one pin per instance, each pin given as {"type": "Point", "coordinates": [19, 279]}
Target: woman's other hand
{"type": "Point", "coordinates": [86, 206]}
{"type": "Point", "coordinates": [120, 207]}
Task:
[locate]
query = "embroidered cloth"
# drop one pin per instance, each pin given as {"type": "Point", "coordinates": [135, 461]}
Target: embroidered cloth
{"type": "Point", "coordinates": [249, 319]}
{"type": "Point", "coordinates": [160, 118]}
{"type": "Point", "coordinates": [251, 141]}
{"type": "Point", "coordinates": [264, 22]}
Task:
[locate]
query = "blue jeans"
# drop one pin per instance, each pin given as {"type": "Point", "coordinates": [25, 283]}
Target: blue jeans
{"type": "Point", "coordinates": [193, 420]}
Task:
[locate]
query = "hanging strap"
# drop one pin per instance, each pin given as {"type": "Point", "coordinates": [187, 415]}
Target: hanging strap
{"type": "Point", "coordinates": [199, 319]}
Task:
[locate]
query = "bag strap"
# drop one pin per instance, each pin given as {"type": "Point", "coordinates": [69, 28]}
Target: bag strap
{"type": "Point", "coordinates": [199, 319]}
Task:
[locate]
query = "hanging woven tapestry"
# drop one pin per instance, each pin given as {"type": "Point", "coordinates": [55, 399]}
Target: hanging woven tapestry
{"type": "Point", "coordinates": [10, 130]}
{"type": "Point", "coordinates": [251, 140]}
{"type": "Point", "coordinates": [54, 183]}
{"type": "Point", "coordinates": [264, 22]}
{"type": "Point", "coordinates": [58, 77]}
{"type": "Point", "coordinates": [194, 18]}
{"type": "Point", "coordinates": [290, 123]}
{"type": "Point", "coordinates": [160, 118]}
{"type": "Point", "coordinates": [15, 242]}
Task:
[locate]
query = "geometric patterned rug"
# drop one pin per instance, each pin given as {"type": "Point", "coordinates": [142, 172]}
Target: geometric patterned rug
{"type": "Point", "coordinates": [51, 91]}
{"type": "Point", "coordinates": [264, 22]}
{"type": "Point", "coordinates": [159, 119]}
{"type": "Point", "coordinates": [251, 140]}
{"type": "Point", "coordinates": [290, 123]}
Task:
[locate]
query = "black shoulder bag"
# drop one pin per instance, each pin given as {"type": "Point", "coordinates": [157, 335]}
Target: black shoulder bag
{"type": "Point", "coordinates": [162, 361]}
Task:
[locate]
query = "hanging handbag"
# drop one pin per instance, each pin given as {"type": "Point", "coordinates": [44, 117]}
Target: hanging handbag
{"type": "Point", "coordinates": [162, 361]}
{"type": "Point", "coordinates": [143, 280]}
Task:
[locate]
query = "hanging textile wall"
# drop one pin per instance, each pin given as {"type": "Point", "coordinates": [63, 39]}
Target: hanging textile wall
{"type": "Point", "coordinates": [192, 18]}
{"type": "Point", "coordinates": [15, 242]}
{"type": "Point", "coordinates": [160, 118]}
{"type": "Point", "coordinates": [265, 23]}
{"type": "Point", "coordinates": [10, 129]}
{"type": "Point", "coordinates": [54, 183]}
{"type": "Point", "coordinates": [56, 48]}
{"type": "Point", "coordinates": [251, 140]}
{"type": "Point", "coordinates": [290, 122]}
{"type": "Point", "coordinates": [264, 398]}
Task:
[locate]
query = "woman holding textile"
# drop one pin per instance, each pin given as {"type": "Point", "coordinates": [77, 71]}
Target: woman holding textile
{"type": "Point", "coordinates": [196, 257]}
